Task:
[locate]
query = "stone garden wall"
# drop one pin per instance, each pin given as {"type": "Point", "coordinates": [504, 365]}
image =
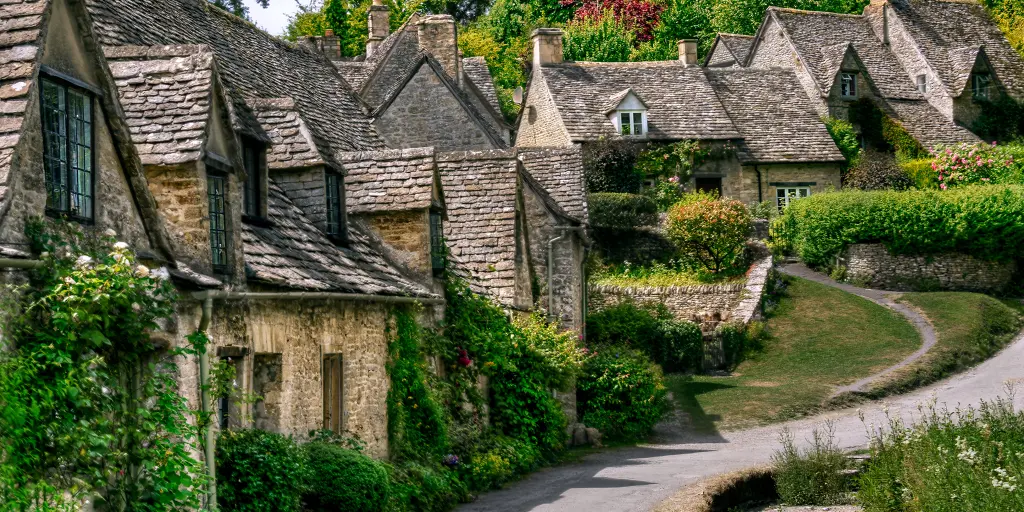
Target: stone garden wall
{"type": "Point", "coordinates": [872, 265]}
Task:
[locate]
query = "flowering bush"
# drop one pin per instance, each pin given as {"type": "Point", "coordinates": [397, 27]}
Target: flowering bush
{"type": "Point", "coordinates": [970, 164]}
{"type": "Point", "coordinates": [638, 16]}
{"type": "Point", "coordinates": [711, 232]}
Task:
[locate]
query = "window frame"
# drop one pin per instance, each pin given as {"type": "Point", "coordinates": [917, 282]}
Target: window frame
{"type": "Point", "coordinates": [332, 372]}
{"type": "Point", "coordinates": [848, 77]}
{"type": "Point", "coordinates": [782, 195]}
{"type": "Point", "coordinates": [981, 92]}
{"type": "Point", "coordinates": [253, 201]}
{"type": "Point", "coordinates": [213, 174]}
{"type": "Point", "coordinates": [922, 83]}
{"type": "Point", "coordinates": [69, 85]}
{"type": "Point", "coordinates": [632, 124]}
{"type": "Point", "coordinates": [336, 229]}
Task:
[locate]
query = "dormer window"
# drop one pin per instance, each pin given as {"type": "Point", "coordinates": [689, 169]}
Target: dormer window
{"type": "Point", "coordinates": [980, 85]}
{"type": "Point", "coordinates": [68, 149]}
{"type": "Point", "coordinates": [334, 190]}
{"type": "Point", "coordinates": [922, 84]}
{"type": "Point", "coordinates": [848, 85]}
{"type": "Point", "coordinates": [632, 123]}
{"type": "Point", "coordinates": [216, 191]}
{"type": "Point", "coordinates": [252, 188]}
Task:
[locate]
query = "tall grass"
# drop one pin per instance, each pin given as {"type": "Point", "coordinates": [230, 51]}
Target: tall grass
{"type": "Point", "coordinates": [814, 476]}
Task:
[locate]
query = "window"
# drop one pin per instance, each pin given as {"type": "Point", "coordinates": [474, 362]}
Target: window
{"type": "Point", "coordinates": [631, 123]}
{"type": "Point", "coordinates": [252, 190]}
{"type": "Point", "coordinates": [848, 85]}
{"type": "Point", "coordinates": [980, 85]}
{"type": "Point", "coordinates": [334, 401]}
{"type": "Point", "coordinates": [922, 84]}
{"type": "Point", "coordinates": [67, 156]}
{"type": "Point", "coordinates": [436, 243]}
{"type": "Point", "coordinates": [786, 195]}
{"type": "Point", "coordinates": [225, 407]}
{"type": "Point", "coordinates": [216, 188]}
{"type": "Point", "coordinates": [335, 206]}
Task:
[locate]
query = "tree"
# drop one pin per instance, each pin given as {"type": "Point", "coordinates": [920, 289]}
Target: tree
{"type": "Point", "coordinates": [602, 39]}
{"type": "Point", "coordinates": [237, 7]}
{"type": "Point", "coordinates": [710, 231]}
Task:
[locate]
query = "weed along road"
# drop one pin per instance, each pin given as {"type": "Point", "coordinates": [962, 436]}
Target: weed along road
{"type": "Point", "coordinates": [639, 478]}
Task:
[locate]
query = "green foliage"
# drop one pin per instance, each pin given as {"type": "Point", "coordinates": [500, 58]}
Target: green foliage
{"type": "Point", "coordinates": [875, 170]}
{"type": "Point", "coordinates": [610, 166]}
{"type": "Point", "coordinates": [238, 7]}
{"type": "Point", "coordinates": [258, 470]}
{"type": "Point", "coordinates": [1001, 119]}
{"type": "Point", "coordinates": [665, 192]}
{"type": "Point", "coordinates": [89, 403]}
{"type": "Point", "coordinates": [672, 273]}
{"type": "Point", "coordinates": [921, 173]}
{"type": "Point", "coordinates": [766, 210]}
{"type": "Point", "coordinates": [673, 164]}
{"type": "Point", "coordinates": [650, 328]}
{"type": "Point", "coordinates": [950, 461]}
{"type": "Point", "coordinates": [814, 476]}
{"type": "Point", "coordinates": [710, 232]}
{"type": "Point", "coordinates": [737, 340]}
{"type": "Point", "coordinates": [341, 479]}
{"type": "Point", "coordinates": [621, 211]}
{"type": "Point", "coordinates": [598, 40]}
{"type": "Point", "coordinates": [416, 423]}
{"type": "Point", "coordinates": [347, 19]}
{"type": "Point", "coordinates": [902, 142]}
{"type": "Point", "coordinates": [845, 137]}
{"type": "Point", "coordinates": [418, 487]}
{"type": "Point", "coordinates": [498, 460]}
{"type": "Point", "coordinates": [884, 133]}
{"type": "Point", "coordinates": [620, 393]}
{"type": "Point", "coordinates": [986, 222]}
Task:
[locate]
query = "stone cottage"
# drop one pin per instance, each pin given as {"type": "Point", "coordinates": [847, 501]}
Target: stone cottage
{"type": "Point", "coordinates": [781, 147]}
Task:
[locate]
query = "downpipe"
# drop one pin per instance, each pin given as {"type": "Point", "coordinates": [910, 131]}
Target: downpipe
{"type": "Point", "coordinates": [204, 401]}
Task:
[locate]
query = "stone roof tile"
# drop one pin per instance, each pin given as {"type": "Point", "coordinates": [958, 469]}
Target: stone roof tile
{"type": "Point", "coordinates": [476, 70]}
{"type": "Point", "coordinates": [291, 142]}
{"type": "Point", "coordinates": [392, 180]}
{"type": "Point", "coordinates": [560, 172]}
{"type": "Point", "coordinates": [927, 125]}
{"type": "Point", "coordinates": [738, 44]}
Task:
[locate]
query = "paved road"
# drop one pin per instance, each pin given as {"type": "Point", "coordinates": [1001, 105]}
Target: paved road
{"type": "Point", "coordinates": [638, 478]}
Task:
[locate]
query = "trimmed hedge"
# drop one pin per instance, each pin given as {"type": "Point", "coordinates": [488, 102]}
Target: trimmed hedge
{"type": "Point", "coordinates": [622, 211]}
{"type": "Point", "coordinates": [675, 344]}
{"type": "Point", "coordinates": [875, 170]}
{"type": "Point", "coordinates": [620, 393]}
{"type": "Point", "coordinates": [343, 479]}
{"type": "Point", "coordinates": [258, 470]}
{"type": "Point", "coordinates": [984, 221]}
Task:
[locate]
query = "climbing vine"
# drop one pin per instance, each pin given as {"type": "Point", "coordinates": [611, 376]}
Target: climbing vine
{"type": "Point", "coordinates": [88, 400]}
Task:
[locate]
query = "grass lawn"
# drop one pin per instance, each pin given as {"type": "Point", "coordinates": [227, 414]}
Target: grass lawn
{"type": "Point", "coordinates": [970, 327]}
{"type": "Point", "coordinates": [819, 338]}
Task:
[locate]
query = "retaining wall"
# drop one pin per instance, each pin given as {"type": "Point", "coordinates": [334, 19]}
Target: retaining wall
{"type": "Point", "coordinates": [873, 266]}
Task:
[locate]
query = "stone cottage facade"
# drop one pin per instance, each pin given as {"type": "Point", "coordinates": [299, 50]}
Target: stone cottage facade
{"type": "Point", "coordinates": [779, 146]}
{"type": "Point", "coordinates": [290, 218]}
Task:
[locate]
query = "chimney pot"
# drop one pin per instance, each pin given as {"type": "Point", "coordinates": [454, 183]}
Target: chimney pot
{"type": "Point", "coordinates": [688, 52]}
{"type": "Point", "coordinates": [547, 46]}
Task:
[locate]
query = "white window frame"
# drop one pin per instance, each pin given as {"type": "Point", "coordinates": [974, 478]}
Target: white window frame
{"type": "Point", "coordinates": [979, 90]}
{"type": "Point", "coordinates": [632, 114]}
{"type": "Point", "coordinates": [850, 79]}
{"type": "Point", "coordinates": [922, 83]}
{"type": "Point", "coordinates": [784, 196]}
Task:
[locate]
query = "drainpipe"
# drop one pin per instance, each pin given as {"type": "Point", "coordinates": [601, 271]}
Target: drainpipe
{"type": "Point", "coordinates": [551, 263]}
{"type": "Point", "coordinates": [19, 263]}
{"type": "Point", "coordinates": [204, 404]}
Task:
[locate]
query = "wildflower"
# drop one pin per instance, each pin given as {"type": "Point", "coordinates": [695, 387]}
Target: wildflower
{"type": "Point", "coordinates": [120, 246]}
{"type": "Point", "coordinates": [136, 307]}
{"type": "Point", "coordinates": [142, 271]}
{"type": "Point", "coordinates": [83, 261]}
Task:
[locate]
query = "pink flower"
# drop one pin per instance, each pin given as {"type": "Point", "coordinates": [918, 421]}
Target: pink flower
{"type": "Point", "coordinates": [942, 186]}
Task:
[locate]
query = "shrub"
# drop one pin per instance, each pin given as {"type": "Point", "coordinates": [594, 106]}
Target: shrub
{"type": "Point", "coordinates": [610, 166]}
{"type": "Point", "coordinates": [621, 211]}
{"type": "Point", "coordinates": [420, 488]}
{"type": "Point", "coordinates": [971, 164]}
{"type": "Point", "coordinates": [620, 393]}
{"type": "Point", "coordinates": [813, 477]}
{"type": "Point", "coordinates": [341, 479]}
{"type": "Point", "coordinates": [711, 232]}
{"type": "Point", "coordinates": [649, 328]}
{"type": "Point", "coordinates": [875, 170]}
{"type": "Point", "coordinates": [766, 210]}
{"type": "Point", "coordinates": [499, 460]}
{"type": "Point", "coordinates": [600, 39]}
{"type": "Point", "coordinates": [258, 470]}
{"type": "Point", "coordinates": [921, 173]}
{"type": "Point", "coordinates": [986, 222]}
{"type": "Point", "coordinates": [845, 137]}
{"type": "Point", "coordinates": [665, 192]}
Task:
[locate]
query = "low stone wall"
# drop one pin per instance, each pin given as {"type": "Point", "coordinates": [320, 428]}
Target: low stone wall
{"type": "Point", "coordinates": [872, 265]}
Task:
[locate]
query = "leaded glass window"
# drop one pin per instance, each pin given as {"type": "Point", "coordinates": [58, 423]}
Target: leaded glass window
{"type": "Point", "coordinates": [436, 242]}
{"type": "Point", "coordinates": [67, 155]}
{"type": "Point", "coordinates": [335, 206]}
{"type": "Point", "coordinates": [216, 191]}
{"type": "Point", "coordinates": [253, 180]}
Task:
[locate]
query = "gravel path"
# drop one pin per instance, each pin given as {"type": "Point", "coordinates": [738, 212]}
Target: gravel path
{"type": "Point", "coordinates": [882, 298]}
{"type": "Point", "coordinates": [638, 478]}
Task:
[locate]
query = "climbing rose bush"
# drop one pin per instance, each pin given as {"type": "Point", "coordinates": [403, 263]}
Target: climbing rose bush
{"type": "Point", "coordinates": [710, 231]}
{"type": "Point", "coordinates": [970, 164]}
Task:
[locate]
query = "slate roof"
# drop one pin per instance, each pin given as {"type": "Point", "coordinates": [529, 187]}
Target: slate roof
{"type": "Point", "coordinates": [165, 93]}
{"type": "Point", "coordinates": [354, 72]}
{"type": "Point", "coordinates": [560, 172]}
{"type": "Point", "coordinates": [292, 253]}
{"type": "Point", "coordinates": [736, 45]}
{"type": "Point", "coordinates": [927, 125]}
{"type": "Point", "coordinates": [682, 103]}
{"type": "Point", "coordinates": [475, 68]}
{"type": "Point", "coordinates": [391, 62]}
{"type": "Point", "coordinates": [20, 44]}
{"type": "Point", "coordinates": [481, 189]}
{"type": "Point", "coordinates": [251, 63]}
{"type": "Point", "coordinates": [947, 32]}
{"type": "Point", "coordinates": [391, 180]}
{"type": "Point", "coordinates": [777, 125]}
{"type": "Point", "coordinates": [821, 39]}
{"type": "Point", "coordinates": [291, 142]}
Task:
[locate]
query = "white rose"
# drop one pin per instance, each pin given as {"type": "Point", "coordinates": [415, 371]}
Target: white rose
{"type": "Point", "coordinates": [83, 261]}
{"type": "Point", "coordinates": [120, 246]}
{"type": "Point", "coordinates": [142, 271]}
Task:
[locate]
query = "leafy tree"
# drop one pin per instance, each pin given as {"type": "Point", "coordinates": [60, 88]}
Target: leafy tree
{"type": "Point", "coordinates": [602, 39]}
{"type": "Point", "coordinates": [710, 231]}
{"type": "Point", "coordinates": [845, 137]}
{"type": "Point", "coordinates": [237, 7]}
{"type": "Point", "coordinates": [638, 16]}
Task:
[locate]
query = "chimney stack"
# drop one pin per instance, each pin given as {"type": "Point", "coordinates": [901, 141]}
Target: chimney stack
{"type": "Point", "coordinates": [379, 23]}
{"type": "Point", "coordinates": [688, 52]}
{"type": "Point", "coordinates": [438, 37]}
{"type": "Point", "coordinates": [547, 46]}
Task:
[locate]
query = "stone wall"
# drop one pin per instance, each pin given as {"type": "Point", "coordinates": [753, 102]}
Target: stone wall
{"type": "Point", "coordinates": [407, 238]}
{"type": "Point", "coordinates": [874, 266]}
{"type": "Point", "coordinates": [305, 188]}
{"type": "Point", "coordinates": [540, 124]}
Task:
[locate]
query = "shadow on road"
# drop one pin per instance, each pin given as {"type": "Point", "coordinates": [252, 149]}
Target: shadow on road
{"type": "Point", "coordinates": [688, 422]}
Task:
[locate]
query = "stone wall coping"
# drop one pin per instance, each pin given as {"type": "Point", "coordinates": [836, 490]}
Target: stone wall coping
{"type": "Point", "coordinates": [749, 307]}
{"type": "Point", "coordinates": [668, 290]}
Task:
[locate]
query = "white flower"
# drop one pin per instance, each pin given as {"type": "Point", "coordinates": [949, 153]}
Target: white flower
{"type": "Point", "coordinates": [69, 281]}
{"type": "Point", "coordinates": [44, 255]}
{"type": "Point", "coordinates": [142, 271]}
{"type": "Point", "coordinates": [120, 246]}
{"type": "Point", "coordinates": [136, 307]}
{"type": "Point", "coordinates": [162, 274]}
{"type": "Point", "coordinates": [83, 261]}
{"type": "Point", "coordinates": [109, 232]}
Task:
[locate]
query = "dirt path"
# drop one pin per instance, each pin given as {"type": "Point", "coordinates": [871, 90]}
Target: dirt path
{"type": "Point", "coordinates": [882, 298]}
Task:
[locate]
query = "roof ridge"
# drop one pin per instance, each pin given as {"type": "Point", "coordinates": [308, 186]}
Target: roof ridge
{"type": "Point", "coordinates": [730, 34]}
{"type": "Point", "coordinates": [790, 10]}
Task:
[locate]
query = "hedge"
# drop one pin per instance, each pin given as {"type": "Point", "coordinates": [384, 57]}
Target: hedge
{"type": "Point", "coordinates": [343, 479]}
{"type": "Point", "coordinates": [621, 211]}
{"type": "Point", "coordinates": [984, 221]}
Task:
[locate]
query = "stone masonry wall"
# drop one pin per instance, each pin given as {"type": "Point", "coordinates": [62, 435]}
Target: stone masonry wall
{"type": "Point", "coordinates": [566, 278]}
{"type": "Point", "coordinates": [541, 124]}
{"type": "Point", "coordinates": [407, 235]}
{"type": "Point", "coordinates": [305, 187]}
{"type": "Point", "coordinates": [873, 265]}
{"type": "Point", "coordinates": [426, 114]}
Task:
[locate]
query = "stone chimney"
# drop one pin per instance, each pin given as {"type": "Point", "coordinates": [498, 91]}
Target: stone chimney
{"type": "Point", "coordinates": [547, 46]}
{"type": "Point", "coordinates": [330, 45]}
{"type": "Point", "coordinates": [379, 26]}
{"type": "Point", "coordinates": [688, 52]}
{"type": "Point", "coordinates": [438, 37]}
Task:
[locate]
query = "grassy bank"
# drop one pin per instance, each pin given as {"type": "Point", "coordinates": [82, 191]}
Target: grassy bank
{"type": "Point", "coordinates": [819, 338]}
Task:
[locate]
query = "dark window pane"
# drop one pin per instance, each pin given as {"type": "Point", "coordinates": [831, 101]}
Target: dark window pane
{"type": "Point", "coordinates": [335, 222]}
{"type": "Point", "coordinates": [215, 190]}
{"type": "Point", "coordinates": [253, 180]}
{"type": "Point", "coordinates": [436, 242]}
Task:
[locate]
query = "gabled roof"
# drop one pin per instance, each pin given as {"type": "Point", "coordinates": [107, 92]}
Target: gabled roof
{"type": "Point", "coordinates": [778, 123]}
{"type": "Point", "coordinates": [682, 104]}
{"type": "Point", "coordinates": [391, 61]}
{"type": "Point", "coordinates": [166, 94]}
{"type": "Point", "coordinates": [475, 69]}
{"type": "Point", "coordinates": [390, 180]}
{"type": "Point", "coordinates": [560, 172]}
{"type": "Point", "coordinates": [292, 253]}
{"type": "Point", "coordinates": [961, 63]}
{"type": "Point", "coordinates": [927, 125]}
{"type": "Point", "coordinates": [819, 38]}
{"type": "Point", "coordinates": [616, 99]}
{"type": "Point", "coordinates": [939, 28]}
{"type": "Point", "coordinates": [481, 191]}
{"type": "Point", "coordinates": [252, 64]}
{"type": "Point", "coordinates": [291, 142]}
{"type": "Point", "coordinates": [20, 48]}
{"type": "Point", "coordinates": [736, 46]}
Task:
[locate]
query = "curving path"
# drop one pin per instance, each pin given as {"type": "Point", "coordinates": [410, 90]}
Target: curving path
{"type": "Point", "coordinates": [638, 478]}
